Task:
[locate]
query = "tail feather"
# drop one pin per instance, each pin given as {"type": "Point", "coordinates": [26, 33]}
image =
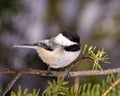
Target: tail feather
{"type": "Point", "coordinates": [25, 46]}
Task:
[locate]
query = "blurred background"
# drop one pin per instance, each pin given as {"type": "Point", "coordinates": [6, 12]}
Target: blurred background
{"type": "Point", "coordinates": [27, 21]}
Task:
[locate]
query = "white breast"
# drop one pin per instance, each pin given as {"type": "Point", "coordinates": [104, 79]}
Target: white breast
{"type": "Point", "coordinates": [65, 59]}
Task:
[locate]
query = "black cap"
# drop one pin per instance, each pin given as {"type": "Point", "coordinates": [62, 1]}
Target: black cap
{"type": "Point", "coordinates": [73, 36]}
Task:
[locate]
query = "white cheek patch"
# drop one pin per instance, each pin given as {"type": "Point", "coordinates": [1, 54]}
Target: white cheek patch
{"type": "Point", "coordinates": [62, 40]}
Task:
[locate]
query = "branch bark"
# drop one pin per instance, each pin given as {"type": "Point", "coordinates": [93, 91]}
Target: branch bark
{"type": "Point", "coordinates": [60, 73]}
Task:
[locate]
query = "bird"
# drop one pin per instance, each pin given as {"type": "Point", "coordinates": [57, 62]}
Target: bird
{"type": "Point", "coordinates": [59, 51]}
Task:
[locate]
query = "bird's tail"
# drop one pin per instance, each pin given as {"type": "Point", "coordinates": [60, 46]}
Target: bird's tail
{"type": "Point", "coordinates": [26, 46]}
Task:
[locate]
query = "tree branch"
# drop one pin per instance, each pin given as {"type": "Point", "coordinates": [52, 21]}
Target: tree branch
{"type": "Point", "coordinates": [60, 73]}
{"type": "Point", "coordinates": [10, 85]}
{"type": "Point", "coordinates": [20, 71]}
{"type": "Point", "coordinates": [111, 87]}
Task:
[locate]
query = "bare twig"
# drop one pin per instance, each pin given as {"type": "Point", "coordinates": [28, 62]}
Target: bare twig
{"type": "Point", "coordinates": [111, 87]}
{"type": "Point", "coordinates": [60, 73]}
{"type": "Point", "coordinates": [12, 82]}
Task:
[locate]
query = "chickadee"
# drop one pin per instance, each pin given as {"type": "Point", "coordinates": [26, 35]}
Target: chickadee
{"type": "Point", "coordinates": [59, 51]}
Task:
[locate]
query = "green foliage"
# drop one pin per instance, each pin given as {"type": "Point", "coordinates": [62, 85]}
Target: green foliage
{"type": "Point", "coordinates": [86, 89]}
{"type": "Point", "coordinates": [25, 92]}
{"type": "Point", "coordinates": [91, 58]}
{"type": "Point", "coordinates": [59, 87]}
{"type": "Point", "coordinates": [97, 55]}
{"type": "Point", "coordinates": [56, 87]}
{"type": "Point", "coordinates": [72, 91]}
{"type": "Point", "coordinates": [99, 89]}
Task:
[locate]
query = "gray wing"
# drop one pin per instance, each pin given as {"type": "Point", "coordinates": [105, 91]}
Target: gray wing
{"type": "Point", "coordinates": [46, 44]}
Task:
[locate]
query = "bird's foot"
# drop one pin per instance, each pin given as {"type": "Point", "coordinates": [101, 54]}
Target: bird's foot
{"type": "Point", "coordinates": [67, 73]}
{"type": "Point", "coordinates": [49, 70]}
